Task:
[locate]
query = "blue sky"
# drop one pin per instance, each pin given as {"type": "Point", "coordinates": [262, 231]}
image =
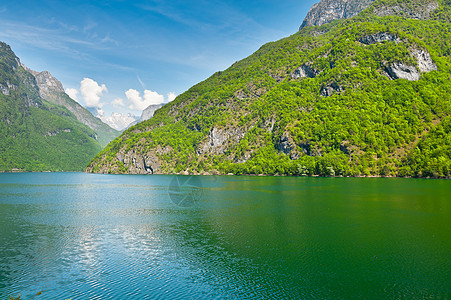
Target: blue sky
{"type": "Point", "coordinates": [160, 46]}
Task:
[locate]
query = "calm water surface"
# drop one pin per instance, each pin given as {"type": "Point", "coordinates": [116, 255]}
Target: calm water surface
{"type": "Point", "coordinates": [86, 236]}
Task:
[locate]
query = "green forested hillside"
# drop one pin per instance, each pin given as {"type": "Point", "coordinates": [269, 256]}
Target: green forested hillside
{"type": "Point", "coordinates": [358, 97]}
{"type": "Point", "coordinates": [36, 135]}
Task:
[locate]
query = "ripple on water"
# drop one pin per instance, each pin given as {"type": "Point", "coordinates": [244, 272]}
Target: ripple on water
{"type": "Point", "coordinates": [126, 239]}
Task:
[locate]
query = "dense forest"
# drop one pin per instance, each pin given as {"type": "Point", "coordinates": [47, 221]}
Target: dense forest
{"type": "Point", "coordinates": [366, 96]}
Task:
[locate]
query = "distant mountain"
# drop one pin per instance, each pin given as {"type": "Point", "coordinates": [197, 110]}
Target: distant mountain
{"type": "Point", "coordinates": [119, 121]}
{"type": "Point", "coordinates": [147, 113]}
{"type": "Point", "coordinates": [362, 96]}
{"type": "Point", "coordinates": [36, 135]}
{"type": "Point", "coordinates": [52, 90]}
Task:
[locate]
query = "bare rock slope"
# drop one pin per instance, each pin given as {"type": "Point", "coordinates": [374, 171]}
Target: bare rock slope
{"type": "Point", "coordinates": [328, 10]}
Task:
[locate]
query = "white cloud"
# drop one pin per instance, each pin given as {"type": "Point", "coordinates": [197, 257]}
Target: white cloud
{"type": "Point", "coordinates": [72, 93]}
{"type": "Point", "coordinates": [118, 103]}
{"type": "Point", "coordinates": [135, 99]}
{"type": "Point", "coordinates": [171, 96]}
{"type": "Point", "coordinates": [152, 97]}
{"type": "Point", "coordinates": [149, 98]}
{"type": "Point", "coordinates": [91, 92]}
{"type": "Point", "coordinates": [140, 103]}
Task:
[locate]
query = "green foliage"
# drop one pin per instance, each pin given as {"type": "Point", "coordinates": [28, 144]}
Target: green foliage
{"type": "Point", "coordinates": [104, 133]}
{"type": "Point", "coordinates": [36, 135]}
{"type": "Point", "coordinates": [367, 124]}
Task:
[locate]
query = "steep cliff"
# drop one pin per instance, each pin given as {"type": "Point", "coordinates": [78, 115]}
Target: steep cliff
{"type": "Point", "coordinates": [369, 95]}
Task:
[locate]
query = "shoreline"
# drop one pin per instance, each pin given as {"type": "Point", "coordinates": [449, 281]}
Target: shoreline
{"type": "Point", "coordinates": [229, 174]}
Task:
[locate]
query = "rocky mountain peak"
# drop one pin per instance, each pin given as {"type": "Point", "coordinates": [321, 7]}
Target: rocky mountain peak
{"type": "Point", "coordinates": [47, 83]}
{"type": "Point", "coordinates": [328, 10]}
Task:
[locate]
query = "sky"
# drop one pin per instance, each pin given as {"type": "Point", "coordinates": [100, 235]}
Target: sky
{"type": "Point", "coordinates": [120, 56]}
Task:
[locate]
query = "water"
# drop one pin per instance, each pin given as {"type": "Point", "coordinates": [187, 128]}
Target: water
{"type": "Point", "coordinates": [87, 236]}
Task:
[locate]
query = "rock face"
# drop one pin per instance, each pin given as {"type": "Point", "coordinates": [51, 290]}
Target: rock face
{"type": "Point", "coordinates": [411, 12]}
{"type": "Point", "coordinates": [412, 73]}
{"type": "Point", "coordinates": [48, 85]}
{"type": "Point", "coordinates": [379, 38]}
{"type": "Point", "coordinates": [304, 71]}
{"type": "Point", "coordinates": [328, 10]}
{"type": "Point", "coordinates": [400, 70]}
{"type": "Point", "coordinates": [134, 161]}
{"type": "Point", "coordinates": [139, 164]}
{"type": "Point", "coordinates": [424, 60]}
{"type": "Point", "coordinates": [218, 140]}
{"type": "Point", "coordinates": [287, 145]}
{"type": "Point", "coordinates": [6, 87]}
{"type": "Point", "coordinates": [330, 89]}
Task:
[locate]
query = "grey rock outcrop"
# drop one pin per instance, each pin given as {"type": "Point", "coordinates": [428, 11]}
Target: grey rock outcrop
{"type": "Point", "coordinates": [218, 139]}
{"type": "Point", "coordinates": [411, 12]}
{"type": "Point", "coordinates": [48, 85]}
{"type": "Point", "coordinates": [327, 11]}
{"type": "Point", "coordinates": [379, 38]}
{"type": "Point", "coordinates": [403, 71]}
{"type": "Point", "coordinates": [330, 89]}
{"type": "Point", "coordinates": [287, 145]}
{"type": "Point", "coordinates": [7, 87]}
{"type": "Point", "coordinates": [137, 163]}
{"type": "Point", "coordinates": [304, 71]}
{"type": "Point", "coordinates": [424, 60]}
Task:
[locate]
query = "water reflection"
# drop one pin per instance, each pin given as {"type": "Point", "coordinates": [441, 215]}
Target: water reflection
{"type": "Point", "coordinates": [84, 236]}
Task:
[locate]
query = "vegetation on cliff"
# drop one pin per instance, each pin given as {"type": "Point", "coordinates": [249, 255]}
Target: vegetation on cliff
{"type": "Point", "coordinates": [36, 135]}
{"type": "Point", "coordinates": [357, 97]}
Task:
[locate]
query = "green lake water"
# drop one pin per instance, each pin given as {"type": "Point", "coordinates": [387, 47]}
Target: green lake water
{"type": "Point", "coordinates": [87, 236]}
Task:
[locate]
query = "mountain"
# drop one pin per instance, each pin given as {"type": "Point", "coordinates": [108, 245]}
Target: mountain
{"type": "Point", "coordinates": [327, 11]}
{"type": "Point", "coordinates": [52, 90]}
{"type": "Point", "coordinates": [147, 113]}
{"type": "Point", "coordinates": [363, 96]}
{"type": "Point", "coordinates": [119, 121]}
{"type": "Point", "coordinates": [36, 135]}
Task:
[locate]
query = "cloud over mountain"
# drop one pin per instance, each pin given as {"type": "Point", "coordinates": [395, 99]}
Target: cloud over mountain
{"type": "Point", "coordinates": [136, 102]}
{"type": "Point", "coordinates": [91, 92]}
